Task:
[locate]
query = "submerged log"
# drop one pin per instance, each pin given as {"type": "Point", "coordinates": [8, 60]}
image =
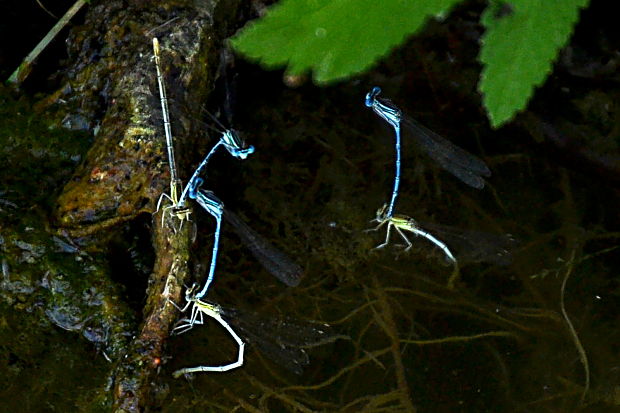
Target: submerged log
{"type": "Point", "coordinates": [112, 89]}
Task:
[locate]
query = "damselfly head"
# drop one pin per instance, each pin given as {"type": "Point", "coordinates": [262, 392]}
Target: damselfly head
{"type": "Point", "coordinates": [384, 108]}
{"type": "Point", "coordinates": [235, 145]}
{"type": "Point", "coordinates": [370, 96]}
{"type": "Point", "coordinates": [382, 213]}
{"type": "Point", "coordinates": [190, 293]}
{"type": "Point", "coordinates": [155, 46]}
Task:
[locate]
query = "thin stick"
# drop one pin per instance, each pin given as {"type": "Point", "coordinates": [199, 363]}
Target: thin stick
{"type": "Point", "coordinates": [21, 73]}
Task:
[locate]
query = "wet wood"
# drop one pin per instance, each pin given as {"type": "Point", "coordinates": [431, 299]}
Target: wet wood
{"type": "Point", "coordinates": [135, 372]}
{"type": "Point", "coordinates": [112, 88]}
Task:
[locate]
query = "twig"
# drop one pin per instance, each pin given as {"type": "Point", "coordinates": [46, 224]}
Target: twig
{"type": "Point", "coordinates": [22, 72]}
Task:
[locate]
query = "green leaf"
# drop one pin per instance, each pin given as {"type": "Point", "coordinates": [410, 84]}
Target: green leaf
{"type": "Point", "coordinates": [519, 46]}
{"type": "Point", "coordinates": [333, 38]}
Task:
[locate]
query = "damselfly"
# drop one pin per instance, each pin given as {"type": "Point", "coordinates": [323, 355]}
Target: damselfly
{"type": "Point", "coordinates": [212, 204]}
{"type": "Point", "coordinates": [404, 223]}
{"type": "Point", "coordinates": [232, 142]}
{"type": "Point", "coordinates": [199, 310]}
{"type": "Point", "coordinates": [456, 243]}
{"type": "Point", "coordinates": [272, 259]}
{"type": "Point", "coordinates": [283, 340]}
{"type": "Point", "coordinates": [392, 115]}
{"type": "Point", "coordinates": [229, 140]}
{"type": "Point", "coordinates": [460, 163]}
{"type": "Point", "coordinates": [180, 211]}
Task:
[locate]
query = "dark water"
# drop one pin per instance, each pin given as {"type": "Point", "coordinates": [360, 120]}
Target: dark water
{"type": "Point", "coordinates": [505, 338]}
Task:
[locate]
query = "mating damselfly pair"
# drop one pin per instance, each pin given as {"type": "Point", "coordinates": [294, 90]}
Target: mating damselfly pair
{"type": "Point", "coordinates": [274, 261]}
{"type": "Point", "coordinates": [470, 169]}
{"type": "Point", "coordinates": [282, 339]}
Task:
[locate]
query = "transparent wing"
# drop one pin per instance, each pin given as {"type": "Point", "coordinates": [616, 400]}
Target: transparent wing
{"type": "Point", "coordinates": [460, 163]}
{"type": "Point", "coordinates": [283, 340]}
{"type": "Point", "coordinates": [475, 246]}
{"type": "Point", "coordinates": [275, 261]}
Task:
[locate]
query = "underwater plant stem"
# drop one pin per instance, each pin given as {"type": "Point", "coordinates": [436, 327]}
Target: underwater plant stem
{"type": "Point", "coordinates": [582, 353]}
{"type": "Point", "coordinates": [457, 339]}
{"type": "Point", "coordinates": [574, 237]}
{"type": "Point", "coordinates": [370, 356]}
{"type": "Point", "coordinates": [386, 320]}
{"type": "Point", "coordinates": [277, 394]}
